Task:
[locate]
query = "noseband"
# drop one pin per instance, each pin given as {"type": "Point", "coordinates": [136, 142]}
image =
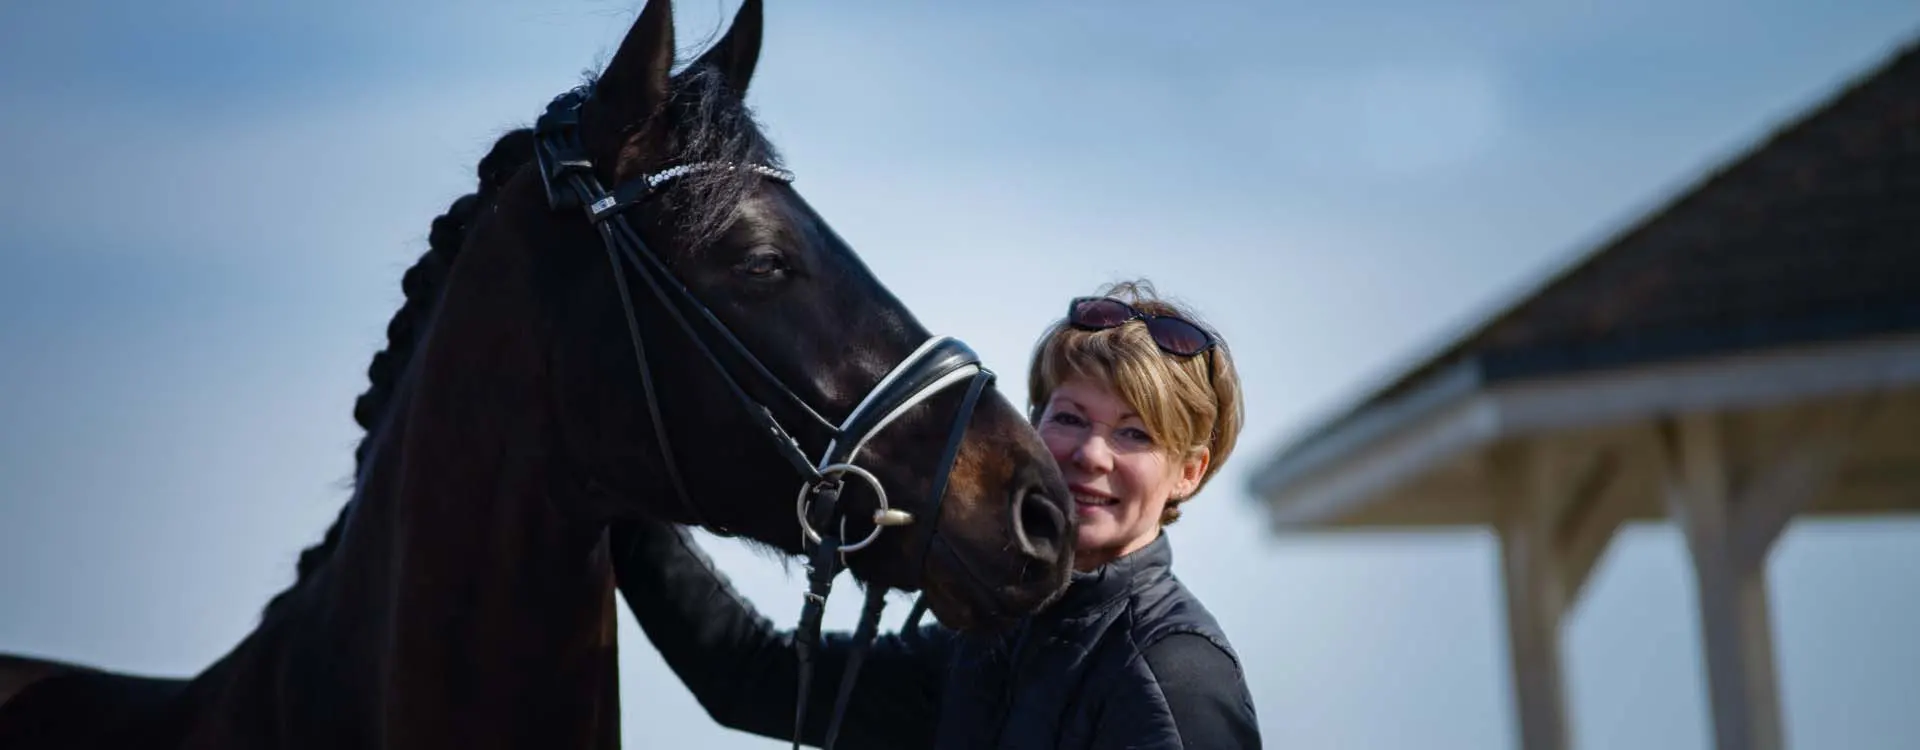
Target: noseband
{"type": "Point", "coordinates": [939, 363]}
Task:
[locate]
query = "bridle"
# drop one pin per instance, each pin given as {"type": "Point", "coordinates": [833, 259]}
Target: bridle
{"type": "Point", "coordinates": [939, 363]}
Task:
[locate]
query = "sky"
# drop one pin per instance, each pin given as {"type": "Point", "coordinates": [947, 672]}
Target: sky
{"type": "Point", "coordinates": [207, 207]}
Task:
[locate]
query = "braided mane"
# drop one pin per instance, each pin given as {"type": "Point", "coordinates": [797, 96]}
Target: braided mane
{"type": "Point", "coordinates": [421, 285]}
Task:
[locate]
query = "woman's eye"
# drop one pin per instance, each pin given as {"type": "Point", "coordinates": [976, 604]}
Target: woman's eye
{"type": "Point", "coordinates": [1070, 420]}
{"type": "Point", "coordinates": [1136, 436]}
{"type": "Point", "coordinates": [762, 264]}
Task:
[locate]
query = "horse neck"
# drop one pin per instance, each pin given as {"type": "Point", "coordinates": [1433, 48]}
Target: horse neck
{"type": "Point", "coordinates": [478, 613]}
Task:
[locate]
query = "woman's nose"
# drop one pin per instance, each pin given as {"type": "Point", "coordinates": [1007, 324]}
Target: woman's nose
{"type": "Point", "coordinates": [1093, 454]}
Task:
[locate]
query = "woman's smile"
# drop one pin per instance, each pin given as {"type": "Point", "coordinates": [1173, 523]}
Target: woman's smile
{"type": "Point", "coordinates": [1089, 501]}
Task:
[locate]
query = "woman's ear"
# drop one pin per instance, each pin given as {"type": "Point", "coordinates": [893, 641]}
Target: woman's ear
{"type": "Point", "coordinates": [1192, 470]}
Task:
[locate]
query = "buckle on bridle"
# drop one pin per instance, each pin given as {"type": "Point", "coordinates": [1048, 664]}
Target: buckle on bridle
{"type": "Point", "coordinates": [558, 150]}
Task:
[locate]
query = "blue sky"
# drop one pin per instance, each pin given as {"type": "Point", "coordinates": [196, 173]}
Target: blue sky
{"type": "Point", "coordinates": [208, 207]}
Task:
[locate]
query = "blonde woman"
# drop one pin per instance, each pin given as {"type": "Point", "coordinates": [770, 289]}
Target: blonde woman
{"type": "Point", "coordinates": [1139, 403]}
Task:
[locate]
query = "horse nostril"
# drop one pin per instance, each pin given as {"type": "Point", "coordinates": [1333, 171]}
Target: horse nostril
{"type": "Point", "coordinates": [1038, 524]}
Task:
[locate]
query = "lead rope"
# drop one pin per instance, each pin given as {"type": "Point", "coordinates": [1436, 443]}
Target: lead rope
{"type": "Point", "coordinates": [912, 626]}
{"type": "Point", "coordinates": [863, 636]}
{"type": "Point", "coordinates": [823, 566]}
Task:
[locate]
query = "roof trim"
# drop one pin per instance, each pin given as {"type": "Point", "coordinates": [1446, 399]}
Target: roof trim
{"type": "Point", "coordinates": [1458, 414]}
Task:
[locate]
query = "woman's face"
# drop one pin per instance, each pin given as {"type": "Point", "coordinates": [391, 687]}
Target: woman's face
{"type": "Point", "coordinates": [1120, 474]}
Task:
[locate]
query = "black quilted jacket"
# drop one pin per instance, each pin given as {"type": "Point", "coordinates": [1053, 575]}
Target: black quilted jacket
{"type": "Point", "coordinates": [1126, 659]}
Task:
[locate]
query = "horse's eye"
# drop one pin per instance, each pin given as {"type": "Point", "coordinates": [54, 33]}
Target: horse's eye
{"type": "Point", "coordinates": [762, 263]}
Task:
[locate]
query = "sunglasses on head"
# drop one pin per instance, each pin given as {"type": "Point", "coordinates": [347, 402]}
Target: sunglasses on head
{"type": "Point", "coordinates": [1172, 334]}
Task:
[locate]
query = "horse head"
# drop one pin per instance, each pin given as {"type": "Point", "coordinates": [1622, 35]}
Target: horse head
{"type": "Point", "coordinates": [722, 357]}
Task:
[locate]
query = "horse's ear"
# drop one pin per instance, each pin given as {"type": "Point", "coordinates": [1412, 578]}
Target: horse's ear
{"type": "Point", "coordinates": [737, 52]}
{"type": "Point", "coordinates": [637, 81]}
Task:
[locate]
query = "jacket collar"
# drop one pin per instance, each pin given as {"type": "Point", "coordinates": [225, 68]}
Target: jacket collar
{"type": "Point", "coordinates": [1096, 588]}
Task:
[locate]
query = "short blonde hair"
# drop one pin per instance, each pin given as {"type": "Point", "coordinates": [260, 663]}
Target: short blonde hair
{"type": "Point", "coordinates": [1188, 403]}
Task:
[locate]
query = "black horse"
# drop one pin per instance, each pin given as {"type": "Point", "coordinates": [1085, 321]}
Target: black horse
{"type": "Point", "coordinates": [590, 356]}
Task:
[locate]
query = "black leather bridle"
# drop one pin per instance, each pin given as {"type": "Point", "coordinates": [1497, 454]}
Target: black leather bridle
{"type": "Point", "coordinates": [938, 363]}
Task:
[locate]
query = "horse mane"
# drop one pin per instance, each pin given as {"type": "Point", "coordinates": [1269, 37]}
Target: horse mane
{"type": "Point", "coordinates": [711, 124]}
{"type": "Point", "coordinates": [421, 287]}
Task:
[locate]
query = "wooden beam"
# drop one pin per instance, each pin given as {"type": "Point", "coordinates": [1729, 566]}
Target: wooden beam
{"type": "Point", "coordinates": [1802, 469]}
{"type": "Point", "coordinates": [1535, 595]}
{"type": "Point", "coordinates": [1737, 636]}
{"type": "Point", "coordinates": [1593, 515]}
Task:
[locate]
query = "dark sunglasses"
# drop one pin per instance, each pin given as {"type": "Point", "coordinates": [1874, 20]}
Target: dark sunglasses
{"type": "Point", "coordinates": [1173, 335]}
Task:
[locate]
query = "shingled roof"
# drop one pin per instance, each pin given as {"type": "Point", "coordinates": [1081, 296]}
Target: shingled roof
{"type": "Point", "coordinates": [1812, 236]}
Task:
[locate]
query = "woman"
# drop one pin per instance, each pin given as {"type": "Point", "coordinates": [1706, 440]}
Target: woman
{"type": "Point", "coordinates": [1140, 405]}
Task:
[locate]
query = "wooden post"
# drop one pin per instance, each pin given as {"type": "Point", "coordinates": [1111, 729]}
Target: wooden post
{"type": "Point", "coordinates": [1530, 563]}
{"type": "Point", "coordinates": [1729, 528]}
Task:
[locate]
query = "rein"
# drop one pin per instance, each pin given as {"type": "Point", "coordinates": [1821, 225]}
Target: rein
{"type": "Point", "coordinates": [939, 363]}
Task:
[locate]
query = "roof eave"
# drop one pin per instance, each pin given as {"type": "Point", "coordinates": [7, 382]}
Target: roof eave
{"type": "Point", "coordinates": [1391, 443]}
